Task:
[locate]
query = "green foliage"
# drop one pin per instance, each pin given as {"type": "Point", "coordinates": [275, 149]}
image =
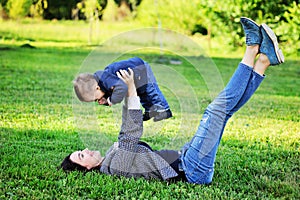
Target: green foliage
{"type": "Point", "coordinates": [211, 18]}
{"type": "Point", "coordinates": [3, 7]}
{"type": "Point", "coordinates": [289, 29]}
{"type": "Point", "coordinates": [177, 15]}
{"type": "Point", "coordinates": [221, 18]}
{"type": "Point", "coordinates": [262, 11]}
{"type": "Point", "coordinates": [91, 8]}
{"type": "Point", "coordinates": [131, 4]}
{"type": "Point", "coordinates": [60, 9]}
{"type": "Point", "coordinates": [37, 8]}
{"type": "Point", "coordinates": [18, 8]}
{"type": "Point", "coordinates": [3, 2]}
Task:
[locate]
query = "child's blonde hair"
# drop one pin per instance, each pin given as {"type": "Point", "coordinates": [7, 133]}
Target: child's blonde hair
{"type": "Point", "coordinates": [85, 87]}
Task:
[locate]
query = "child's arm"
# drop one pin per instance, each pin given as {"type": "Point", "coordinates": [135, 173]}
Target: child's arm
{"type": "Point", "coordinates": [119, 92]}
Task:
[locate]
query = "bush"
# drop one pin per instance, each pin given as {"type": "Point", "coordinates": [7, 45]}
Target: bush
{"type": "Point", "coordinates": [177, 15]}
{"type": "Point", "coordinates": [289, 29]}
{"type": "Point", "coordinates": [18, 8]}
{"type": "Point", "coordinates": [222, 18]}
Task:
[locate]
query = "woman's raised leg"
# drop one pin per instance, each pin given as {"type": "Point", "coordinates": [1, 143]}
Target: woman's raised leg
{"type": "Point", "coordinates": [198, 156]}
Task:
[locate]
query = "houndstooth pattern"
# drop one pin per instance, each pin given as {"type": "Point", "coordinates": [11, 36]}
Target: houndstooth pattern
{"type": "Point", "coordinates": [130, 159]}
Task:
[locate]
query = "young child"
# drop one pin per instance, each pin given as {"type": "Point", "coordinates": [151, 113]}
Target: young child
{"type": "Point", "coordinates": [107, 89]}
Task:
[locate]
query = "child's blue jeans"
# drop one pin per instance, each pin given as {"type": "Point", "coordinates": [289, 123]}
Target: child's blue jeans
{"type": "Point", "coordinates": [198, 156]}
{"type": "Point", "coordinates": [151, 97]}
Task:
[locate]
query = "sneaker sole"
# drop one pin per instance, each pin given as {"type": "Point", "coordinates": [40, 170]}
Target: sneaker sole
{"type": "Point", "coordinates": [273, 37]}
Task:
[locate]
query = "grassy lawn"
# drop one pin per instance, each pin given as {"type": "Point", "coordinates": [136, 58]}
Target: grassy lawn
{"type": "Point", "coordinates": [258, 158]}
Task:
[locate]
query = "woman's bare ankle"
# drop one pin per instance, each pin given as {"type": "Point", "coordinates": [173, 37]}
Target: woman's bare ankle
{"type": "Point", "coordinates": [261, 64]}
{"type": "Point", "coordinates": [250, 55]}
{"type": "Point", "coordinates": [264, 59]}
{"type": "Point", "coordinates": [254, 49]}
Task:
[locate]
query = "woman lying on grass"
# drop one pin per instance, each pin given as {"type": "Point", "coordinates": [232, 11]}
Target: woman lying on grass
{"type": "Point", "coordinates": [130, 157]}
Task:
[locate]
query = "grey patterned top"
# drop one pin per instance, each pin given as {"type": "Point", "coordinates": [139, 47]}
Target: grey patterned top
{"type": "Point", "coordinates": [130, 159]}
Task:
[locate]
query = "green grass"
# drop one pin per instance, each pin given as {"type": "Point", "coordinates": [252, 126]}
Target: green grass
{"type": "Point", "coordinates": [258, 157]}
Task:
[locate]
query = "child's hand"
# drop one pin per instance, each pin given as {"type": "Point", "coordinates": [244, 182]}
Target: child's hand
{"type": "Point", "coordinates": [102, 101]}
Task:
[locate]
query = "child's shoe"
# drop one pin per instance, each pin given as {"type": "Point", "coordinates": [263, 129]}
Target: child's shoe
{"type": "Point", "coordinates": [163, 115]}
{"type": "Point", "coordinates": [149, 114]}
{"type": "Point", "coordinates": [252, 31]}
{"type": "Point", "coordinates": [269, 46]}
{"type": "Point", "coordinates": [146, 116]}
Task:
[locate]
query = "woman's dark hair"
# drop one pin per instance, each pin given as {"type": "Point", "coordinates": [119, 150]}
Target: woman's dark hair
{"type": "Point", "coordinates": [68, 165]}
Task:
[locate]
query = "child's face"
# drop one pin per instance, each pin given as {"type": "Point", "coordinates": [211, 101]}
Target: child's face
{"type": "Point", "coordinates": [99, 96]}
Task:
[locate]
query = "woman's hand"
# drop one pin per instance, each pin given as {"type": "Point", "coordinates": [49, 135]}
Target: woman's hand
{"type": "Point", "coordinates": [127, 77]}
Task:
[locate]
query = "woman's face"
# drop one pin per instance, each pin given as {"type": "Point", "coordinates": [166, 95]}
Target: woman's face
{"type": "Point", "coordinates": [86, 158]}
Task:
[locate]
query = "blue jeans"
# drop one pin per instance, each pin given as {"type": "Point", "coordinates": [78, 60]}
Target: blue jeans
{"type": "Point", "coordinates": [198, 156]}
{"type": "Point", "coordinates": [151, 97]}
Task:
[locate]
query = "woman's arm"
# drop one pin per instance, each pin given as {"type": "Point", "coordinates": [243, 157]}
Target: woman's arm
{"type": "Point", "coordinates": [132, 119]}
